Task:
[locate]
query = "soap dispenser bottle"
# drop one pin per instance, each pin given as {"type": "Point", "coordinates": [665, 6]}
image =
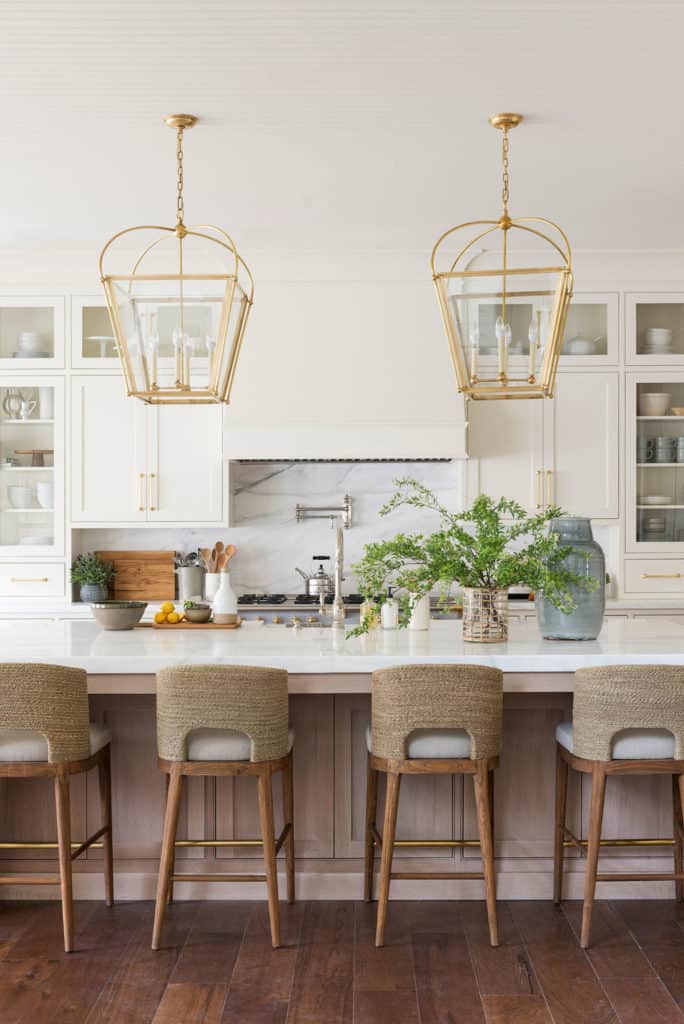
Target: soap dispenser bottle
{"type": "Point", "coordinates": [390, 611]}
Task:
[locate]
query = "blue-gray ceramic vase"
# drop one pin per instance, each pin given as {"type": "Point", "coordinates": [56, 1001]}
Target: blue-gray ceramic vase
{"type": "Point", "coordinates": [93, 593]}
{"type": "Point", "coordinates": [585, 559]}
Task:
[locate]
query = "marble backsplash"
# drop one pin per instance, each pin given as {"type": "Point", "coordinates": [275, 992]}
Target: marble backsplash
{"type": "Point", "coordinates": [271, 542]}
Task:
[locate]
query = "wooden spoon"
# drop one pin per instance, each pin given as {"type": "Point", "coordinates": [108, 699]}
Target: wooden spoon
{"type": "Point", "coordinates": [212, 567]}
{"type": "Point", "coordinates": [205, 555]}
{"type": "Point", "coordinates": [221, 562]}
{"type": "Point", "coordinates": [229, 551]}
{"type": "Point", "coordinates": [219, 546]}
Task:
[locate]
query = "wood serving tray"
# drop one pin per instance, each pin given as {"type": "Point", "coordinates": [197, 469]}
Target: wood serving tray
{"type": "Point", "coordinates": [188, 625]}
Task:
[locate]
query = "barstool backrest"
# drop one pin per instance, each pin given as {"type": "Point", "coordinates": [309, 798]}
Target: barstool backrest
{"type": "Point", "coordinates": [51, 700]}
{"type": "Point", "coordinates": [242, 698]}
{"type": "Point", "coordinates": [611, 698]}
{"type": "Point", "coordinates": [411, 697]}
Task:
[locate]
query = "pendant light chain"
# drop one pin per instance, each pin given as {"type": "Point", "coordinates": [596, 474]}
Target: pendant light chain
{"type": "Point", "coordinates": [180, 209]}
{"type": "Point", "coordinates": [506, 183]}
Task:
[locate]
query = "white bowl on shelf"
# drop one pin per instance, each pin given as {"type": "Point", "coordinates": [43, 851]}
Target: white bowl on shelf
{"type": "Point", "coordinates": [39, 540]}
{"type": "Point", "coordinates": [655, 499]}
{"type": "Point", "coordinates": [45, 493]}
{"type": "Point", "coordinates": [654, 403]}
{"type": "Point", "coordinates": [20, 496]}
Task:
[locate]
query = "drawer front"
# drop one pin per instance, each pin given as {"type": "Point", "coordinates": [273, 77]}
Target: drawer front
{"type": "Point", "coordinates": [46, 579]}
{"type": "Point", "coordinates": [654, 576]}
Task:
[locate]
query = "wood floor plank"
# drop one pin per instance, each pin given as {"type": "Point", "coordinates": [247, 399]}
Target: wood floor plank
{"type": "Point", "coordinates": [642, 999]}
{"type": "Point", "coordinates": [185, 1003]}
{"type": "Point", "coordinates": [390, 967]}
{"type": "Point", "coordinates": [516, 1009]}
{"type": "Point", "coordinates": [324, 971]}
{"type": "Point", "coordinates": [502, 971]}
{"type": "Point", "coordinates": [263, 977]}
{"type": "Point", "coordinates": [614, 952]}
{"type": "Point", "coordinates": [446, 985]}
{"type": "Point", "coordinates": [572, 990]}
{"type": "Point", "coordinates": [210, 951]}
{"type": "Point", "coordinates": [385, 1007]}
{"type": "Point", "coordinates": [656, 926]}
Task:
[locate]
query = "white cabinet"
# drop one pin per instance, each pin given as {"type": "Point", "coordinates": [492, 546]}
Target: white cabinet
{"type": "Point", "coordinates": [507, 440]}
{"type": "Point", "coordinates": [563, 451]}
{"type": "Point", "coordinates": [31, 332]}
{"type": "Point", "coordinates": [582, 444]}
{"type": "Point", "coordinates": [655, 328]}
{"type": "Point", "coordinates": [92, 339]}
{"type": "Point", "coordinates": [133, 463]}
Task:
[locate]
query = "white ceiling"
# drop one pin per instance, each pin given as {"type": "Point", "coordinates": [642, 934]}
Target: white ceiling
{"type": "Point", "coordinates": [341, 125]}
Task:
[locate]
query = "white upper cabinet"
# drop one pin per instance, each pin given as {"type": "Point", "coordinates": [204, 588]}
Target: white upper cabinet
{"type": "Point", "coordinates": [92, 339]}
{"type": "Point", "coordinates": [654, 324]}
{"type": "Point", "coordinates": [592, 331]}
{"type": "Point", "coordinates": [582, 445]}
{"type": "Point", "coordinates": [108, 453]}
{"type": "Point", "coordinates": [31, 332]}
{"type": "Point", "coordinates": [133, 463]}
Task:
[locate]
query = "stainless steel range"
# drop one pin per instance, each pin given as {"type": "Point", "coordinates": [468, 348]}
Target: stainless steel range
{"type": "Point", "coordinates": [282, 609]}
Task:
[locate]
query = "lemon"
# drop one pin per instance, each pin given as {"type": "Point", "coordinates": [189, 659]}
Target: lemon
{"type": "Point", "coordinates": [160, 617]}
{"type": "Point", "coordinates": [173, 618]}
{"type": "Point", "coordinates": [167, 607]}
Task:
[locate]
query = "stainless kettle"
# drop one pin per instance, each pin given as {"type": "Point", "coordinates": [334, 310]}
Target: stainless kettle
{"type": "Point", "coordinates": [320, 582]}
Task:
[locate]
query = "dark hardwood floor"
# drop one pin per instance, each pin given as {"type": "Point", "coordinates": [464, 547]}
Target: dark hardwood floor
{"type": "Point", "coordinates": [217, 965]}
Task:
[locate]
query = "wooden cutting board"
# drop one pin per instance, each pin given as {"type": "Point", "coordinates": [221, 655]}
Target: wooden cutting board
{"type": "Point", "coordinates": [188, 625]}
{"type": "Point", "coordinates": [142, 575]}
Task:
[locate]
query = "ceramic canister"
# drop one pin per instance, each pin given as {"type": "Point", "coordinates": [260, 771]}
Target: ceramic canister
{"type": "Point", "coordinates": [420, 613]}
{"type": "Point", "coordinates": [224, 605]}
{"type": "Point", "coordinates": [585, 559]}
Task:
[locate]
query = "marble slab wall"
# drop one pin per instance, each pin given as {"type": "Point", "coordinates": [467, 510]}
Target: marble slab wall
{"type": "Point", "coordinates": [271, 542]}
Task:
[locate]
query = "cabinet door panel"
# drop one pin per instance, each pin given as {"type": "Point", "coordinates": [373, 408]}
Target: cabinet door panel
{"type": "Point", "coordinates": [108, 452]}
{"type": "Point", "coordinates": [506, 438]}
{"type": "Point", "coordinates": [581, 441]}
{"type": "Point", "coordinates": [184, 463]}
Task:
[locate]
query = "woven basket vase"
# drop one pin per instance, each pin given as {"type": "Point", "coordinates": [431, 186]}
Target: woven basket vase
{"type": "Point", "coordinates": [485, 615]}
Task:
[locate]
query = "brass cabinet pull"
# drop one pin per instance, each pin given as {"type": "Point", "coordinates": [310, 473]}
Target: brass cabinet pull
{"type": "Point", "coordinates": [29, 579]}
{"type": "Point", "coordinates": [141, 492]}
{"type": "Point", "coordinates": [153, 507]}
{"type": "Point", "coordinates": [549, 486]}
{"type": "Point", "coordinates": [539, 488]}
{"type": "Point", "coordinates": [661, 575]}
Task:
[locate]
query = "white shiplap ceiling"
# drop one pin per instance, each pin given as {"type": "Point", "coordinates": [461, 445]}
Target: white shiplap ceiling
{"type": "Point", "coordinates": [340, 125]}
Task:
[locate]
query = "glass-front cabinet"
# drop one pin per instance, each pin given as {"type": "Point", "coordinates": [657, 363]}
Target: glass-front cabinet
{"type": "Point", "coordinates": [655, 462]}
{"type": "Point", "coordinates": [31, 466]}
{"type": "Point", "coordinates": [93, 345]}
{"type": "Point", "coordinates": [655, 328]}
{"type": "Point", "coordinates": [31, 333]}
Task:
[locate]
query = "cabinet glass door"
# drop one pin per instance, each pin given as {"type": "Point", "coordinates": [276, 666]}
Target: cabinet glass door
{"type": "Point", "coordinates": [31, 466]}
{"type": "Point", "coordinates": [92, 337]}
{"type": "Point", "coordinates": [591, 330]}
{"type": "Point", "coordinates": [656, 453]}
{"type": "Point", "coordinates": [31, 333]}
{"type": "Point", "coordinates": [655, 328]}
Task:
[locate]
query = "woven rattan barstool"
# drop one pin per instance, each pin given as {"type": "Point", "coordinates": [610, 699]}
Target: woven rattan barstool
{"type": "Point", "coordinates": [225, 720]}
{"type": "Point", "coordinates": [45, 733]}
{"type": "Point", "coordinates": [432, 719]}
{"type": "Point", "coordinates": [627, 720]}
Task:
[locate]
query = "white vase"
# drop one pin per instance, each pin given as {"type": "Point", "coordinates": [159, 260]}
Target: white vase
{"type": "Point", "coordinates": [420, 613]}
{"type": "Point", "coordinates": [46, 403]}
{"type": "Point", "coordinates": [224, 605]}
{"type": "Point", "coordinates": [212, 581]}
{"type": "Point", "coordinates": [389, 613]}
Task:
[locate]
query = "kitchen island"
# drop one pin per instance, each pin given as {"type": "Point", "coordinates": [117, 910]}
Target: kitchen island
{"type": "Point", "coordinates": [330, 682]}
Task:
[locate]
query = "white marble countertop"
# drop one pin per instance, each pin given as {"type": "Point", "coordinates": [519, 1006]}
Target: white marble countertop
{"type": "Point", "coordinates": [326, 651]}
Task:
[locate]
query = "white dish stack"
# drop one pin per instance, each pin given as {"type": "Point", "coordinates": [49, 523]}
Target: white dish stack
{"type": "Point", "coordinates": [658, 341]}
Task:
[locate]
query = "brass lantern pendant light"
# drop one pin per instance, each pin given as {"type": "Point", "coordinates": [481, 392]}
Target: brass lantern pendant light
{"type": "Point", "coordinates": [504, 287]}
{"type": "Point", "coordinates": [178, 298]}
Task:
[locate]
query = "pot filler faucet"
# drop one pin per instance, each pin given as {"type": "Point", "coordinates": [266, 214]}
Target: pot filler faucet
{"type": "Point", "coordinates": [338, 610]}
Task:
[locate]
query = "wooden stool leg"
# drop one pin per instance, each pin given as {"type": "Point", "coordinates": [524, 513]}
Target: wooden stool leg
{"type": "Point", "coordinates": [268, 838]}
{"type": "Point", "coordinates": [166, 861]}
{"type": "Point", "coordinates": [104, 772]}
{"type": "Point", "coordinates": [169, 897]}
{"type": "Point", "coordinates": [388, 834]}
{"type": "Point", "coordinates": [598, 793]}
{"type": "Point", "coordinates": [678, 823]}
{"type": "Point", "coordinates": [288, 815]}
{"type": "Point", "coordinates": [484, 824]}
{"type": "Point", "coordinates": [63, 811]}
{"type": "Point", "coordinates": [559, 833]}
{"type": "Point", "coordinates": [371, 811]}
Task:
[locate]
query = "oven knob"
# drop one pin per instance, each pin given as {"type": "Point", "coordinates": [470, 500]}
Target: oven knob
{"type": "Point", "coordinates": [296, 621]}
{"type": "Point", "coordinates": [276, 620]}
{"type": "Point", "coordinates": [312, 620]}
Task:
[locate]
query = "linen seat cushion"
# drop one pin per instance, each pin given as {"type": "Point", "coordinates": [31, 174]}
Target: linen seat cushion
{"type": "Point", "coordinates": [28, 745]}
{"type": "Point", "coordinates": [223, 745]}
{"type": "Point", "coordinates": [426, 743]}
{"type": "Point", "coordinates": [629, 744]}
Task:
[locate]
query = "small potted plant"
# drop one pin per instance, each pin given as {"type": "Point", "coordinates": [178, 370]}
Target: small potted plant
{"type": "Point", "coordinates": [93, 575]}
{"type": "Point", "coordinates": [486, 549]}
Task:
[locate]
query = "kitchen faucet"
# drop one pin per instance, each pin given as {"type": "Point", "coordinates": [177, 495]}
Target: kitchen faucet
{"type": "Point", "coordinates": [338, 609]}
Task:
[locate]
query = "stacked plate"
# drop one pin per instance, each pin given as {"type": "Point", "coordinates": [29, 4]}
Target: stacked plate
{"type": "Point", "coordinates": [658, 341]}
